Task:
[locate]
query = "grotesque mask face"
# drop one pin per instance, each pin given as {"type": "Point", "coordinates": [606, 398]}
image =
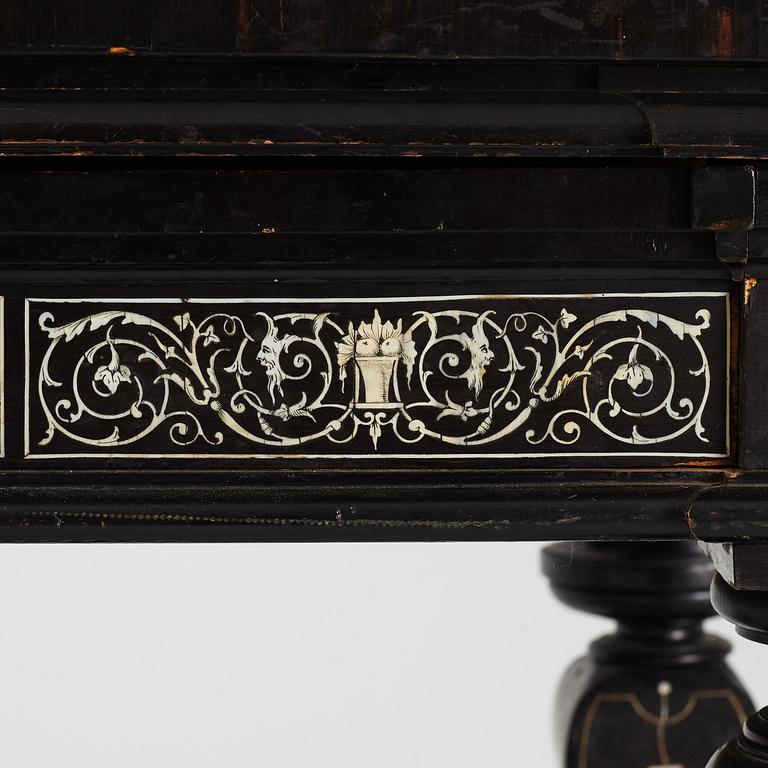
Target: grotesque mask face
{"type": "Point", "coordinates": [269, 356]}
{"type": "Point", "coordinates": [480, 355]}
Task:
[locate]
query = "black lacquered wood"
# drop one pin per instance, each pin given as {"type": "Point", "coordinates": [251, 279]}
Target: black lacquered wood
{"type": "Point", "coordinates": [657, 690]}
{"type": "Point", "coordinates": [362, 106]}
{"type": "Point", "coordinates": [464, 164]}
{"type": "Point", "coordinates": [115, 503]}
{"type": "Point", "coordinates": [749, 750]}
{"type": "Point", "coordinates": [655, 29]}
{"type": "Point", "coordinates": [748, 610]}
{"type": "Point", "coordinates": [273, 232]}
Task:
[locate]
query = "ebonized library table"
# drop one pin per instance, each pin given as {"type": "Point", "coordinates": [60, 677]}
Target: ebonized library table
{"type": "Point", "coordinates": [290, 270]}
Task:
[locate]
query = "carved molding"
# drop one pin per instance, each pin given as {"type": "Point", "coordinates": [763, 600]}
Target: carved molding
{"type": "Point", "coordinates": [517, 376]}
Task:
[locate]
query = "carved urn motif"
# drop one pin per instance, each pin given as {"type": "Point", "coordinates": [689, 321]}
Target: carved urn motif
{"type": "Point", "coordinates": [376, 348]}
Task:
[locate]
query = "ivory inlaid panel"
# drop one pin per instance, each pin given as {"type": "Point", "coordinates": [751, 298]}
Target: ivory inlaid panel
{"type": "Point", "coordinates": [624, 375]}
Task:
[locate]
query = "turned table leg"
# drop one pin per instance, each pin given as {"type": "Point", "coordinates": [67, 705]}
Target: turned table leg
{"type": "Point", "coordinates": [657, 692]}
{"type": "Point", "coordinates": [748, 610]}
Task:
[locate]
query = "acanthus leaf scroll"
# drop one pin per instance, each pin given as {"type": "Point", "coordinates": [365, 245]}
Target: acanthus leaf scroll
{"type": "Point", "coordinates": [509, 376]}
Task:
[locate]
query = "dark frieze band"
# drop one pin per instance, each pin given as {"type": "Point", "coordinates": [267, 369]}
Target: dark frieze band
{"type": "Point", "coordinates": [502, 376]}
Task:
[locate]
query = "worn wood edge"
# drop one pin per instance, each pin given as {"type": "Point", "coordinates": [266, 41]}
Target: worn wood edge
{"type": "Point", "coordinates": [530, 506]}
{"type": "Point", "coordinates": [64, 104]}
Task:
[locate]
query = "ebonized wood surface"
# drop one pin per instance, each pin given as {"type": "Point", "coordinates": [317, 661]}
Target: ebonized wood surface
{"type": "Point", "coordinates": [387, 150]}
{"type": "Point", "coordinates": [657, 29]}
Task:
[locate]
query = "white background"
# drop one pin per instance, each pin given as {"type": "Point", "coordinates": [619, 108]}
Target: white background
{"type": "Point", "coordinates": [343, 655]}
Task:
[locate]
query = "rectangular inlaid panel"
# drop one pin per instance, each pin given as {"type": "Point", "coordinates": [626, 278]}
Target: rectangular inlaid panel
{"type": "Point", "coordinates": [502, 376]}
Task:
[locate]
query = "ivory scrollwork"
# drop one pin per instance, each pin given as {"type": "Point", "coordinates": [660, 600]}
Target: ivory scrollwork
{"type": "Point", "coordinates": [467, 378]}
